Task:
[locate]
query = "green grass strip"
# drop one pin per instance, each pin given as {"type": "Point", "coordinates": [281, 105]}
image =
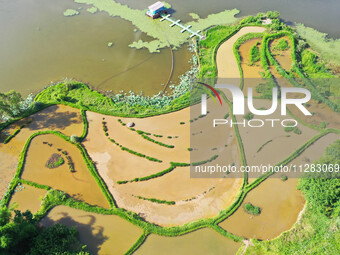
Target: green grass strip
{"type": "Point", "coordinates": [17, 131]}
{"type": "Point", "coordinates": [158, 201]}
{"type": "Point", "coordinates": [34, 184]}
{"type": "Point", "coordinates": [156, 142]}
{"type": "Point", "coordinates": [138, 243]}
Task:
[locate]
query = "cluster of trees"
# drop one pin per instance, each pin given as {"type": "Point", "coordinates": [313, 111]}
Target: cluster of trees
{"type": "Point", "coordinates": [322, 189]}
{"type": "Point", "coordinates": [21, 235]}
{"type": "Point", "coordinates": [12, 104]}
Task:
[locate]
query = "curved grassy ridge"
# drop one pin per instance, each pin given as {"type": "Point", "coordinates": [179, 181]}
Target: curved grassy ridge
{"type": "Point", "coordinates": [236, 52]}
{"type": "Point", "coordinates": [173, 165]}
{"type": "Point", "coordinates": [158, 201]}
{"type": "Point", "coordinates": [134, 152]}
{"type": "Point", "coordinates": [138, 243]}
{"type": "Point", "coordinates": [314, 91]}
{"type": "Point", "coordinates": [85, 125]}
{"type": "Point", "coordinates": [157, 142]}
{"type": "Point", "coordinates": [17, 131]}
{"type": "Point", "coordinates": [146, 137]}
{"type": "Point", "coordinates": [79, 95]}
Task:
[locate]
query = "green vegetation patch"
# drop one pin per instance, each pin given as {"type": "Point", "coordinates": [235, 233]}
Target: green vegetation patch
{"type": "Point", "coordinates": [54, 161]}
{"type": "Point", "coordinates": [327, 47]}
{"type": "Point", "coordinates": [70, 12]}
{"type": "Point", "coordinates": [252, 209]}
{"type": "Point", "coordinates": [254, 55]}
{"type": "Point", "coordinates": [282, 45]}
{"type": "Point", "coordinates": [92, 10]}
{"type": "Point", "coordinates": [10, 137]}
{"type": "Point", "coordinates": [194, 15]}
{"type": "Point", "coordinates": [158, 201]}
{"type": "Point", "coordinates": [20, 234]}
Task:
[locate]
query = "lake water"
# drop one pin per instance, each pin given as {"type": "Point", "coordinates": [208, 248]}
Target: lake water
{"type": "Point", "coordinates": [39, 45]}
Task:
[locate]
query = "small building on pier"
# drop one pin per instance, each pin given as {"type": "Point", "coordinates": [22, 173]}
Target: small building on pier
{"type": "Point", "coordinates": [156, 9]}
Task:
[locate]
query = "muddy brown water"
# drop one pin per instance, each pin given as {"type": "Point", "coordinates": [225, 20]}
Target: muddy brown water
{"type": "Point", "coordinates": [280, 201]}
{"type": "Point", "coordinates": [39, 45]}
{"type": "Point", "coordinates": [27, 198]}
{"type": "Point", "coordinates": [200, 242]}
{"type": "Point", "coordinates": [81, 185]}
{"type": "Point", "coordinates": [103, 234]}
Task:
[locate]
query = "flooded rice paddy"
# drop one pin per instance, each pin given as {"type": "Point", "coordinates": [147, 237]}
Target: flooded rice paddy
{"type": "Point", "coordinates": [80, 184]}
{"type": "Point", "coordinates": [200, 242]}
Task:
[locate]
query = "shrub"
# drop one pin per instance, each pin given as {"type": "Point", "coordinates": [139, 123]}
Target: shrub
{"type": "Point", "coordinates": [284, 178]}
{"type": "Point", "coordinates": [74, 139]}
{"type": "Point", "coordinates": [282, 45]}
{"type": "Point", "coordinates": [252, 209]}
{"type": "Point", "coordinates": [249, 116]}
{"type": "Point", "coordinates": [254, 55]}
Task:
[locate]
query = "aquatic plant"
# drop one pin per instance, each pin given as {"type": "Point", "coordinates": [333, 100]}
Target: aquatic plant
{"type": "Point", "coordinates": [92, 10]}
{"type": "Point", "coordinates": [70, 12]}
{"type": "Point", "coordinates": [163, 34]}
{"type": "Point", "coordinates": [194, 15]}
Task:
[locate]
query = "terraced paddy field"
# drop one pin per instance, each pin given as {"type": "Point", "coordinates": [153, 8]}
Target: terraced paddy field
{"type": "Point", "coordinates": [191, 199]}
{"type": "Point", "coordinates": [125, 183]}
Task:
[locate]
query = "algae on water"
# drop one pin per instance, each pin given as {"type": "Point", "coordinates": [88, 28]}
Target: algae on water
{"type": "Point", "coordinates": [70, 12]}
{"type": "Point", "coordinates": [160, 31]}
{"type": "Point", "coordinates": [92, 10]}
{"type": "Point", "coordinates": [194, 15]}
{"type": "Point", "coordinates": [152, 46]}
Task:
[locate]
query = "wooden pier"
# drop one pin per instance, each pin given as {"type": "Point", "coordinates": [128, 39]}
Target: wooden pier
{"type": "Point", "coordinates": [177, 23]}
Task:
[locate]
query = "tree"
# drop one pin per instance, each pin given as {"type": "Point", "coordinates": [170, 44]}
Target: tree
{"type": "Point", "coordinates": [10, 104]}
{"type": "Point", "coordinates": [22, 236]}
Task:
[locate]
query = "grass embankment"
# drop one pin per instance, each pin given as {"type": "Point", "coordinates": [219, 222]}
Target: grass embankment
{"type": "Point", "coordinates": [79, 95]}
{"type": "Point", "coordinates": [10, 137]}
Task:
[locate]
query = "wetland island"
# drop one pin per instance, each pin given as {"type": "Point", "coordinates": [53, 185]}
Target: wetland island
{"type": "Point", "coordinates": [91, 165]}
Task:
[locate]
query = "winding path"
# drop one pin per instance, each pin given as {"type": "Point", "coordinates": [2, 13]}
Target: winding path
{"type": "Point", "coordinates": [225, 59]}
